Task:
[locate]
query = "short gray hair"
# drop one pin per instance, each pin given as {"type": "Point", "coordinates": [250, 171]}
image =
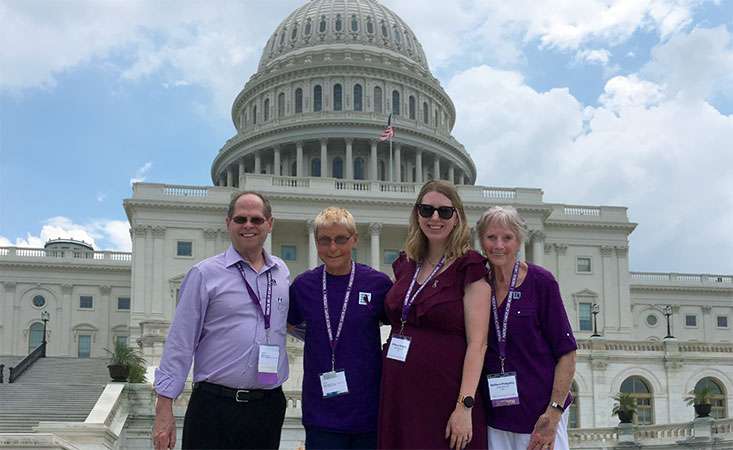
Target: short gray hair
{"type": "Point", "coordinates": [506, 216]}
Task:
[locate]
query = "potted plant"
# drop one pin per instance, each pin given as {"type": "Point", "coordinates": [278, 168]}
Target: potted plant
{"type": "Point", "coordinates": [702, 399]}
{"type": "Point", "coordinates": [126, 362]}
{"type": "Point", "coordinates": [625, 407]}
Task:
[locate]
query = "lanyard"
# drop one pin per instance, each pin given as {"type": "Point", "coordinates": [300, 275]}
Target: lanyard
{"type": "Point", "coordinates": [409, 299]}
{"type": "Point", "coordinates": [501, 332]}
{"type": "Point", "coordinates": [267, 313]}
{"type": "Point", "coordinates": [333, 340]}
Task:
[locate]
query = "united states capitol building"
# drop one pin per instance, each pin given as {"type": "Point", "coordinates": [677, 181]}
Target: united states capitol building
{"type": "Point", "coordinates": [307, 126]}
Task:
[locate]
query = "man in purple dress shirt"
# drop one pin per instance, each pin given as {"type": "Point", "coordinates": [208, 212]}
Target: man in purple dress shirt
{"type": "Point", "coordinates": [231, 321]}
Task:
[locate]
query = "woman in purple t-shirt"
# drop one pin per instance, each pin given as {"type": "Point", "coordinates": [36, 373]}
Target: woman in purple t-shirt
{"type": "Point", "coordinates": [530, 362]}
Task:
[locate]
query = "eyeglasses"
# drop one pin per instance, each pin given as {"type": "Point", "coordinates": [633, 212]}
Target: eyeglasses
{"type": "Point", "coordinates": [427, 211]}
{"type": "Point", "coordinates": [255, 220]}
{"type": "Point", "coordinates": [325, 241]}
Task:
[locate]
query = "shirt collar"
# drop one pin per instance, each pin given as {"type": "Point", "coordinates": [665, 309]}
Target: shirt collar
{"type": "Point", "coordinates": [232, 257]}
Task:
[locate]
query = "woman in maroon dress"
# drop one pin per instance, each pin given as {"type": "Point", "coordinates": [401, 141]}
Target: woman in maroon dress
{"type": "Point", "coordinates": [439, 314]}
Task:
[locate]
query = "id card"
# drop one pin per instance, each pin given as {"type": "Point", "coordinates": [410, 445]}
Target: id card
{"type": "Point", "coordinates": [365, 298]}
{"type": "Point", "coordinates": [399, 345]}
{"type": "Point", "coordinates": [334, 384]}
{"type": "Point", "coordinates": [503, 389]}
{"type": "Point", "coordinates": [267, 364]}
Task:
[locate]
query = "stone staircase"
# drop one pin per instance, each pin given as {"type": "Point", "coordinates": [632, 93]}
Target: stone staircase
{"type": "Point", "coordinates": [52, 389]}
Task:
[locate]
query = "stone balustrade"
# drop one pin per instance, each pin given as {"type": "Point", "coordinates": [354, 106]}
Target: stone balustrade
{"type": "Point", "coordinates": [76, 255]}
{"type": "Point", "coordinates": [682, 278]}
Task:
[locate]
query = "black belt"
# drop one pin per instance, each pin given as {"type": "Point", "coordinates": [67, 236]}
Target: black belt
{"type": "Point", "coordinates": [239, 395]}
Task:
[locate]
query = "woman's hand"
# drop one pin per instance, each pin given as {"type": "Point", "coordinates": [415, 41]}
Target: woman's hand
{"type": "Point", "coordinates": [459, 430]}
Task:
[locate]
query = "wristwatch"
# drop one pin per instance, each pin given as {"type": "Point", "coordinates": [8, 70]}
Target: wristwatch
{"type": "Point", "coordinates": [467, 401]}
{"type": "Point", "coordinates": [557, 406]}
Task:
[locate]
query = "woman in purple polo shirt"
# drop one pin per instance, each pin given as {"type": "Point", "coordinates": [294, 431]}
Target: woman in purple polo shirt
{"type": "Point", "coordinates": [340, 304]}
{"type": "Point", "coordinates": [531, 358]}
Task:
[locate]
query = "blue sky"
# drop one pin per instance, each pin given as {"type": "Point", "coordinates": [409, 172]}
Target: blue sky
{"type": "Point", "coordinates": [598, 102]}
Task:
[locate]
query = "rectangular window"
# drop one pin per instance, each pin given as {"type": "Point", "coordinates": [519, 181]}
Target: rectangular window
{"type": "Point", "coordinates": [86, 302]}
{"type": "Point", "coordinates": [583, 264]}
{"type": "Point", "coordinates": [121, 340]}
{"type": "Point", "coordinates": [289, 252]}
{"type": "Point", "coordinates": [690, 320]}
{"type": "Point", "coordinates": [585, 317]}
{"type": "Point", "coordinates": [85, 346]}
{"type": "Point", "coordinates": [355, 255]}
{"type": "Point", "coordinates": [123, 303]}
{"type": "Point", "coordinates": [722, 321]}
{"type": "Point", "coordinates": [184, 248]}
{"type": "Point", "coordinates": [389, 256]}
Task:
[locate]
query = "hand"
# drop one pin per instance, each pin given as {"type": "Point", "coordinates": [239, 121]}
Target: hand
{"type": "Point", "coordinates": [543, 435]}
{"type": "Point", "coordinates": [459, 430]}
{"type": "Point", "coordinates": [164, 428]}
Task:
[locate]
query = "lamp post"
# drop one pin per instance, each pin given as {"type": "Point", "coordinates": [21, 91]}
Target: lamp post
{"type": "Point", "coordinates": [44, 317]}
{"type": "Point", "coordinates": [667, 314]}
{"type": "Point", "coordinates": [596, 310]}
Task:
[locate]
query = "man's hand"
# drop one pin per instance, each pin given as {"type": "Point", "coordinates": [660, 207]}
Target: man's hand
{"type": "Point", "coordinates": [543, 435]}
{"type": "Point", "coordinates": [164, 428]}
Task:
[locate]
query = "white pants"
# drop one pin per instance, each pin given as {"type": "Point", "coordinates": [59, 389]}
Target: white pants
{"type": "Point", "coordinates": [506, 440]}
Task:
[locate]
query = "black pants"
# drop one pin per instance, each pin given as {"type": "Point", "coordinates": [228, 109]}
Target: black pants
{"type": "Point", "coordinates": [317, 439]}
{"type": "Point", "coordinates": [215, 422]}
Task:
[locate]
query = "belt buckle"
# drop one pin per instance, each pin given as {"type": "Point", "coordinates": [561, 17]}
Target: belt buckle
{"type": "Point", "coordinates": [241, 391]}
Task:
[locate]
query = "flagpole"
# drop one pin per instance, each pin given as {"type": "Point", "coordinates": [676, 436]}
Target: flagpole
{"type": "Point", "coordinates": [391, 163]}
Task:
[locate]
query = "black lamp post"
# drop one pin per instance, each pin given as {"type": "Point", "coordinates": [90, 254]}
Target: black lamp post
{"type": "Point", "coordinates": [667, 314]}
{"type": "Point", "coordinates": [44, 317]}
{"type": "Point", "coordinates": [596, 310]}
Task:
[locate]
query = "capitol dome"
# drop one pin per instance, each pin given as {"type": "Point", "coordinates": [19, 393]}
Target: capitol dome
{"type": "Point", "coordinates": [330, 75]}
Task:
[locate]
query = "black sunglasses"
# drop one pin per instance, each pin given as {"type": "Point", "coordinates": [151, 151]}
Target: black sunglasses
{"type": "Point", "coordinates": [255, 220]}
{"type": "Point", "coordinates": [427, 211]}
{"type": "Point", "coordinates": [325, 241]}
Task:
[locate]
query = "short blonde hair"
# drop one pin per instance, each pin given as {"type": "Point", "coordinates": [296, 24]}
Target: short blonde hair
{"type": "Point", "coordinates": [416, 246]}
{"type": "Point", "coordinates": [505, 216]}
{"type": "Point", "coordinates": [334, 216]}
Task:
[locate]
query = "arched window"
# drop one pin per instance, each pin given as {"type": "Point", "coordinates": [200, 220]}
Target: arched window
{"type": "Point", "coordinates": [425, 115]}
{"type": "Point", "coordinates": [397, 36]}
{"type": "Point", "coordinates": [316, 167]}
{"type": "Point", "coordinates": [338, 22]}
{"type": "Point", "coordinates": [322, 25]}
{"type": "Point", "coordinates": [718, 407]}
{"type": "Point", "coordinates": [435, 123]}
{"type": "Point", "coordinates": [282, 36]}
{"type": "Point", "coordinates": [266, 109]}
{"type": "Point", "coordinates": [294, 33]}
{"type": "Point", "coordinates": [370, 25]}
{"type": "Point", "coordinates": [640, 390]}
{"type": "Point", "coordinates": [317, 98]}
{"type": "Point", "coordinates": [337, 103]}
{"type": "Point", "coordinates": [384, 30]}
{"type": "Point", "coordinates": [337, 169]}
{"type": "Point", "coordinates": [573, 417]}
{"type": "Point", "coordinates": [35, 336]}
{"type": "Point", "coordinates": [412, 107]}
{"type": "Point", "coordinates": [381, 170]}
{"type": "Point", "coordinates": [359, 169]}
{"type": "Point", "coordinates": [357, 98]}
{"type": "Point", "coordinates": [254, 115]}
{"type": "Point", "coordinates": [299, 100]}
{"type": "Point", "coordinates": [395, 103]}
{"type": "Point", "coordinates": [280, 104]}
{"type": "Point", "coordinates": [354, 23]}
{"type": "Point", "coordinates": [308, 27]}
{"type": "Point", "coordinates": [377, 99]}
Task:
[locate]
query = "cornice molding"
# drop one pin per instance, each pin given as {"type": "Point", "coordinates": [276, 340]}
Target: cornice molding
{"type": "Point", "coordinates": [66, 266]}
{"type": "Point", "coordinates": [690, 289]}
{"type": "Point", "coordinates": [629, 227]}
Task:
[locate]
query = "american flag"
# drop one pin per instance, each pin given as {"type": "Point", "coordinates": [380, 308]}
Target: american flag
{"type": "Point", "coordinates": [388, 132]}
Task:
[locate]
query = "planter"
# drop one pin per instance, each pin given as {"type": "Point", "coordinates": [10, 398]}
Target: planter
{"type": "Point", "coordinates": [703, 410]}
{"type": "Point", "coordinates": [625, 416]}
{"type": "Point", "coordinates": [118, 372]}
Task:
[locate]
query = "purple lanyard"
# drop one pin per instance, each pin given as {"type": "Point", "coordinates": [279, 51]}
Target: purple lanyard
{"type": "Point", "coordinates": [501, 332]}
{"type": "Point", "coordinates": [267, 313]}
{"type": "Point", "coordinates": [333, 340]}
{"type": "Point", "coordinates": [409, 299]}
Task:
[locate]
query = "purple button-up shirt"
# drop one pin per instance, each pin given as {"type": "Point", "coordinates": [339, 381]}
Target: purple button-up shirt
{"type": "Point", "coordinates": [220, 327]}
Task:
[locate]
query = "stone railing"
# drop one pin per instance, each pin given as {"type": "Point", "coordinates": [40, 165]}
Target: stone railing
{"type": "Point", "coordinates": [606, 214]}
{"type": "Point", "coordinates": [601, 344]}
{"type": "Point", "coordinates": [674, 435]}
{"type": "Point", "coordinates": [23, 252]}
{"type": "Point", "coordinates": [683, 278]}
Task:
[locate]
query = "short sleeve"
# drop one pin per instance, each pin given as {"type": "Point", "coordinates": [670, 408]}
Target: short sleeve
{"type": "Point", "coordinates": [473, 267]}
{"type": "Point", "coordinates": [295, 312]}
{"type": "Point", "coordinates": [554, 319]}
{"type": "Point", "coordinates": [398, 266]}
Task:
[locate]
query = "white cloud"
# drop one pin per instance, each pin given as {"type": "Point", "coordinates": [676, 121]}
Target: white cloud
{"type": "Point", "coordinates": [628, 92]}
{"type": "Point", "coordinates": [141, 173]}
{"type": "Point", "coordinates": [101, 196]}
{"type": "Point", "coordinates": [597, 56]}
{"type": "Point", "coordinates": [100, 234]}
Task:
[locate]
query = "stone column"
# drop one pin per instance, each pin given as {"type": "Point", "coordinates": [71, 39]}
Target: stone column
{"type": "Point", "coordinates": [268, 244]}
{"type": "Point", "coordinates": [324, 158]}
{"type": "Point", "coordinates": [229, 177]}
{"type": "Point", "coordinates": [476, 239]}
{"type": "Point", "coordinates": [374, 231]}
{"type": "Point", "coordinates": [538, 247]}
{"type": "Point", "coordinates": [242, 176]}
{"type": "Point", "coordinates": [312, 252]}
{"type": "Point", "coordinates": [9, 322]}
{"type": "Point", "coordinates": [349, 160]}
{"type": "Point", "coordinates": [258, 163]}
{"type": "Point", "coordinates": [223, 178]}
{"type": "Point", "coordinates": [436, 167]}
{"type": "Point", "coordinates": [64, 319]}
{"type": "Point", "coordinates": [418, 168]}
{"type": "Point", "coordinates": [158, 263]}
{"type": "Point", "coordinates": [138, 295]}
{"type": "Point", "coordinates": [299, 159]}
{"type": "Point", "coordinates": [276, 161]}
{"type": "Point", "coordinates": [397, 162]}
{"type": "Point", "coordinates": [451, 173]}
{"type": "Point", "coordinates": [373, 171]}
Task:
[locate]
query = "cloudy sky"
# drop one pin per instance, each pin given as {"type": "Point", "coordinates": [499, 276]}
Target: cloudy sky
{"type": "Point", "coordinates": [597, 102]}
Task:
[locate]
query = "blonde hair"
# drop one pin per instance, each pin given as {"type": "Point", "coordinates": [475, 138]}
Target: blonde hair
{"type": "Point", "coordinates": [334, 216]}
{"type": "Point", "coordinates": [505, 216]}
{"type": "Point", "coordinates": [457, 245]}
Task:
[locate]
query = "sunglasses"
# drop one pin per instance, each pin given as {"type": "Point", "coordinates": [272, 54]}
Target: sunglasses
{"type": "Point", "coordinates": [255, 220]}
{"type": "Point", "coordinates": [325, 241]}
{"type": "Point", "coordinates": [427, 211]}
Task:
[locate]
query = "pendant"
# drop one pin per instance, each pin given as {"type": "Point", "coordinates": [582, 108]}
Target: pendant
{"type": "Point", "coordinates": [435, 284]}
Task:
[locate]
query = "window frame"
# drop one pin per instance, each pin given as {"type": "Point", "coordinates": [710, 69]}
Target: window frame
{"type": "Point", "coordinates": [581, 320]}
{"type": "Point", "coordinates": [283, 255]}
{"type": "Point", "coordinates": [129, 303]}
{"type": "Point", "coordinates": [578, 259]}
{"type": "Point", "coordinates": [178, 248]}
{"type": "Point", "coordinates": [78, 346]}
{"type": "Point", "coordinates": [694, 316]}
{"type": "Point", "coordinates": [85, 308]}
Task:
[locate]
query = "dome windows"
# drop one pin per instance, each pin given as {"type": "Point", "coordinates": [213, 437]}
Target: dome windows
{"type": "Point", "coordinates": [357, 98]}
{"type": "Point", "coordinates": [307, 29]}
{"type": "Point", "coordinates": [370, 25]}
{"type": "Point", "coordinates": [317, 98]}
{"type": "Point", "coordinates": [395, 103]}
{"type": "Point", "coordinates": [294, 32]}
{"type": "Point", "coordinates": [354, 23]}
{"type": "Point", "coordinates": [266, 110]}
{"type": "Point", "coordinates": [337, 97]}
{"type": "Point", "coordinates": [322, 25]}
{"type": "Point", "coordinates": [425, 114]}
{"type": "Point", "coordinates": [377, 99]}
{"type": "Point", "coordinates": [254, 115]}
{"type": "Point", "coordinates": [299, 100]}
{"type": "Point", "coordinates": [412, 107]}
{"type": "Point", "coordinates": [338, 26]}
{"type": "Point", "coordinates": [337, 168]}
{"type": "Point", "coordinates": [282, 36]}
{"type": "Point", "coordinates": [397, 36]}
{"type": "Point", "coordinates": [281, 105]}
{"type": "Point", "coordinates": [385, 34]}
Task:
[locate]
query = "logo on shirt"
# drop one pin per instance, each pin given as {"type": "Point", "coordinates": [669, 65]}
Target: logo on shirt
{"type": "Point", "coordinates": [516, 295]}
{"type": "Point", "coordinates": [365, 298]}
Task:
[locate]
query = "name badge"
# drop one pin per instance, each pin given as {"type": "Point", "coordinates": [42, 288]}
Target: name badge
{"type": "Point", "coordinates": [267, 364]}
{"type": "Point", "coordinates": [365, 298]}
{"type": "Point", "coordinates": [503, 389]}
{"type": "Point", "coordinates": [334, 384]}
{"type": "Point", "coordinates": [398, 347]}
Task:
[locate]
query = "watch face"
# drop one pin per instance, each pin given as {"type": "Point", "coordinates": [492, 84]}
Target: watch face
{"type": "Point", "coordinates": [468, 402]}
